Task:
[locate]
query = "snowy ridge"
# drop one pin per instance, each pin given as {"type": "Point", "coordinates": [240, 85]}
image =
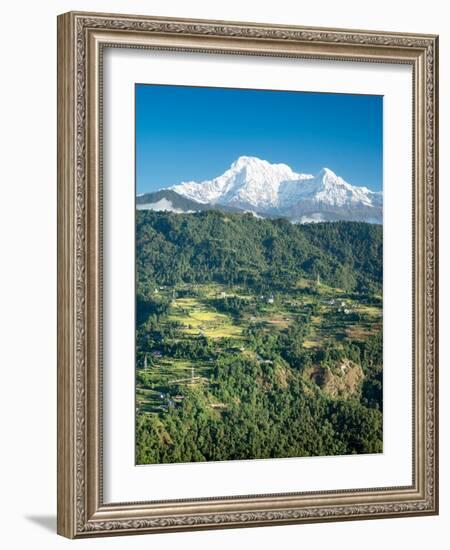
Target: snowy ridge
{"type": "Point", "coordinates": [255, 185]}
{"type": "Point", "coordinates": [329, 189]}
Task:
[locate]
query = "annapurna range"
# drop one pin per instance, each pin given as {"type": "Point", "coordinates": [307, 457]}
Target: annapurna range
{"type": "Point", "coordinates": [271, 190]}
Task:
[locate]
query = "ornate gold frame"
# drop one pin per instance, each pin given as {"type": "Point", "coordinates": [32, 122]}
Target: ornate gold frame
{"type": "Point", "coordinates": [81, 37]}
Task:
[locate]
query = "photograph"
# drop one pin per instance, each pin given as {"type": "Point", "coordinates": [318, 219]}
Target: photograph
{"type": "Point", "coordinates": [258, 274]}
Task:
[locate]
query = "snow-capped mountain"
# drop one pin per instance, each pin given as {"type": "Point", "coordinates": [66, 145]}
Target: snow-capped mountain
{"type": "Point", "coordinates": [328, 197]}
{"type": "Point", "coordinates": [250, 182]}
{"type": "Point", "coordinates": [255, 185]}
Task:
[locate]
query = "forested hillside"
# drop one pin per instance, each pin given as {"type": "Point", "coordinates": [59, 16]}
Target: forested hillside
{"type": "Point", "coordinates": [256, 338]}
{"type": "Point", "coordinates": [236, 248]}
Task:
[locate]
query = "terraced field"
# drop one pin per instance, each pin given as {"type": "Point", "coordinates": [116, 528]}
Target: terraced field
{"type": "Point", "coordinates": [197, 319]}
{"type": "Point", "coordinates": [196, 313]}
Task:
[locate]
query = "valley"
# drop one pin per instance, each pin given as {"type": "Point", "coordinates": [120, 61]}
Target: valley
{"type": "Point", "coordinates": [256, 338]}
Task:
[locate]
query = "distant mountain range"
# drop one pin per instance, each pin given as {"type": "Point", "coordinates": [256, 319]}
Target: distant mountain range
{"type": "Point", "coordinates": [271, 190]}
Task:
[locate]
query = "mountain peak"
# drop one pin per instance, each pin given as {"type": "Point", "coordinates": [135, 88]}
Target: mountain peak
{"type": "Point", "coordinates": [244, 161]}
{"type": "Point", "coordinates": [257, 164]}
{"type": "Point", "coordinates": [248, 161]}
{"type": "Point", "coordinates": [326, 172]}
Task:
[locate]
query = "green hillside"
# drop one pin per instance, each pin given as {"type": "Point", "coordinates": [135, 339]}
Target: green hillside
{"type": "Point", "coordinates": [236, 248]}
{"type": "Point", "coordinates": [256, 338]}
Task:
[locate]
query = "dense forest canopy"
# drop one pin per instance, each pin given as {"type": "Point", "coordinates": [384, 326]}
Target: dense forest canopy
{"type": "Point", "coordinates": [236, 248]}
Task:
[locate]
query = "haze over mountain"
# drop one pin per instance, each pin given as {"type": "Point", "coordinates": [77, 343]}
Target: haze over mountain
{"type": "Point", "coordinates": [272, 190]}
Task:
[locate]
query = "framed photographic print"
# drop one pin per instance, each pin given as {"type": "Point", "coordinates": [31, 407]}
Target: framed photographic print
{"type": "Point", "coordinates": [247, 288]}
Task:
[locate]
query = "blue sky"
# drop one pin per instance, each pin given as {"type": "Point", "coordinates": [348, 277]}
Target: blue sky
{"type": "Point", "coordinates": [189, 133]}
